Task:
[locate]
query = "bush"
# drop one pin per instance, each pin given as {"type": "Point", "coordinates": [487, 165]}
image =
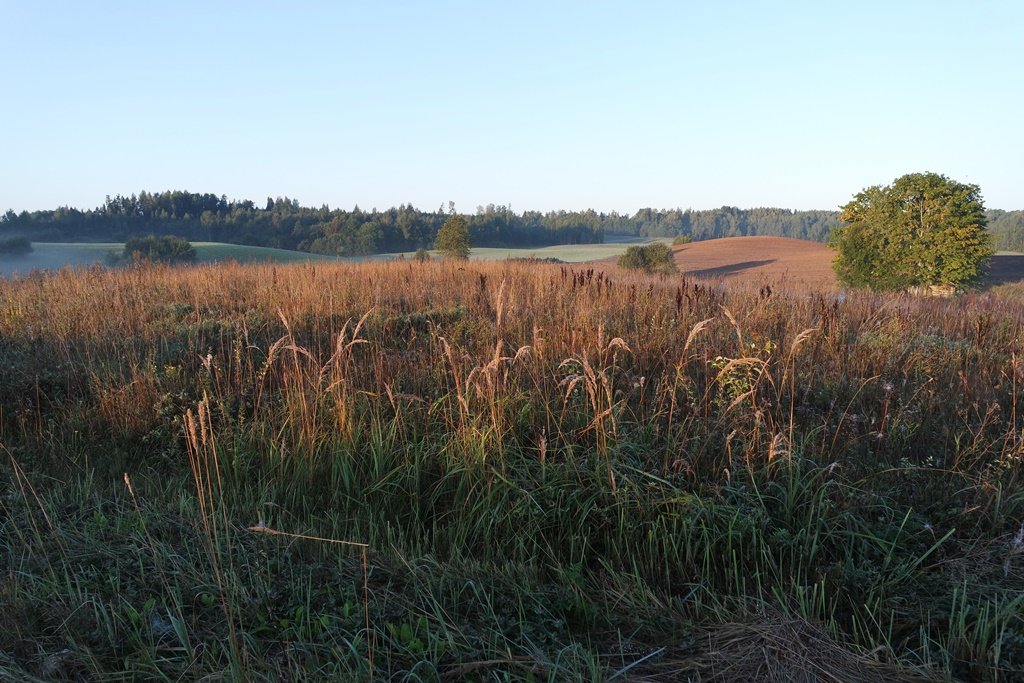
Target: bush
{"type": "Point", "coordinates": [164, 249]}
{"type": "Point", "coordinates": [681, 239]}
{"type": "Point", "coordinates": [15, 246]}
{"type": "Point", "coordinates": [650, 258]}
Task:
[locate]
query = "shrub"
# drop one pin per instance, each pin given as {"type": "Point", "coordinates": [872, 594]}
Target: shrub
{"type": "Point", "coordinates": [15, 246]}
{"type": "Point", "coordinates": [681, 239]}
{"type": "Point", "coordinates": [164, 249]}
{"type": "Point", "coordinates": [650, 258]}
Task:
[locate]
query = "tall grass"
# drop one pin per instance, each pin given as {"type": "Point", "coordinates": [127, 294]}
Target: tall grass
{"type": "Point", "coordinates": [429, 471]}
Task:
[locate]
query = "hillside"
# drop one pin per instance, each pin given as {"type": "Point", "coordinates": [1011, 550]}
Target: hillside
{"type": "Point", "coordinates": [57, 255]}
{"type": "Point", "coordinates": [759, 260]}
{"type": "Point", "coordinates": [782, 261]}
{"type": "Point", "coordinates": [787, 262]}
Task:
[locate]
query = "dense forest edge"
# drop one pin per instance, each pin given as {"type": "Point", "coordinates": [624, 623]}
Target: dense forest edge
{"type": "Point", "coordinates": [285, 224]}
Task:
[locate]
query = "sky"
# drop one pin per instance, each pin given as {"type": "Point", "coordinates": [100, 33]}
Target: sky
{"type": "Point", "coordinates": [546, 105]}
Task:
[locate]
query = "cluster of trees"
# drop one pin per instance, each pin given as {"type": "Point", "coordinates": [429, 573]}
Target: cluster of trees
{"type": "Point", "coordinates": [286, 224]}
{"type": "Point", "coordinates": [729, 221]}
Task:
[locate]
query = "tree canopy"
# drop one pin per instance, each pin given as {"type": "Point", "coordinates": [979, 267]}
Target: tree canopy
{"type": "Point", "coordinates": [453, 238]}
{"type": "Point", "coordinates": [922, 230]}
{"type": "Point", "coordinates": [285, 223]}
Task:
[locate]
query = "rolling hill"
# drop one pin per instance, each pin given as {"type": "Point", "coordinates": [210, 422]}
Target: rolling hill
{"type": "Point", "coordinates": [790, 263]}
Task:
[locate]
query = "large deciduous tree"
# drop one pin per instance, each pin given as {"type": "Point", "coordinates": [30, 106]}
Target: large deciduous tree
{"type": "Point", "coordinates": [453, 238]}
{"type": "Point", "coordinates": [923, 230]}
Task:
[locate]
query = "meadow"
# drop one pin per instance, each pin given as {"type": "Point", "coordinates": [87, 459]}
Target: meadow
{"type": "Point", "coordinates": [56, 255]}
{"type": "Point", "coordinates": [613, 247]}
{"type": "Point", "coordinates": [500, 471]}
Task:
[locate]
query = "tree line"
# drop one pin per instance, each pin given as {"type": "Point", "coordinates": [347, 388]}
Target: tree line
{"type": "Point", "coordinates": [1007, 229]}
{"type": "Point", "coordinates": [284, 223]}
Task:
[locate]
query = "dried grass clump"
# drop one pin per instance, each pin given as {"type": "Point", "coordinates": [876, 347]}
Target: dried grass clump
{"type": "Point", "coordinates": [775, 650]}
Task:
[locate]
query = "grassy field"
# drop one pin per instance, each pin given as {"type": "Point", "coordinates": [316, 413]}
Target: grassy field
{"type": "Point", "coordinates": [504, 472]}
{"type": "Point", "coordinates": [53, 256]}
{"type": "Point", "coordinates": [56, 255]}
{"type": "Point", "coordinates": [209, 252]}
{"type": "Point", "coordinates": [570, 253]}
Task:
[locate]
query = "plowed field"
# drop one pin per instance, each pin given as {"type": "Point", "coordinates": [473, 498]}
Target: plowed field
{"type": "Point", "coordinates": [778, 261]}
{"type": "Point", "coordinates": [789, 263]}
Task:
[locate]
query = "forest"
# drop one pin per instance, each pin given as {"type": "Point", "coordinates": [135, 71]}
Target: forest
{"type": "Point", "coordinates": [284, 223]}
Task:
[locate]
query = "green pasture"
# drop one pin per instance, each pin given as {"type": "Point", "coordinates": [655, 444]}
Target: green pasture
{"type": "Point", "coordinates": [570, 253]}
{"type": "Point", "coordinates": [220, 251]}
{"type": "Point", "coordinates": [56, 255]}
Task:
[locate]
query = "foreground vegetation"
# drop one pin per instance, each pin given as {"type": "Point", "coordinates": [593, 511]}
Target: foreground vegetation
{"type": "Point", "coordinates": [504, 472]}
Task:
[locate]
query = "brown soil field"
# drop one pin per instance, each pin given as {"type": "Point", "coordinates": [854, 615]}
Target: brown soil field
{"type": "Point", "coordinates": [760, 260]}
{"type": "Point", "coordinates": [776, 261]}
{"type": "Point", "coordinates": [788, 263]}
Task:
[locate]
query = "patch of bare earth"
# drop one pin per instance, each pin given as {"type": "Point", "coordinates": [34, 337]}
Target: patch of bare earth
{"type": "Point", "coordinates": [791, 263]}
{"type": "Point", "coordinates": [757, 261]}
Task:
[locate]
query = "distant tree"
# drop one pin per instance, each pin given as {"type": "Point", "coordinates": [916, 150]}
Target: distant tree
{"type": "Point", "coordinates": [923, 230]}
{"type": "Point", "coordinates": [421, 255]}
{"type": "Point", "coordinates": [453, 238]}
{"type": "Point", "coordinates": [650, 258]}
{"type": "Point", "coordinates": [164, 249]}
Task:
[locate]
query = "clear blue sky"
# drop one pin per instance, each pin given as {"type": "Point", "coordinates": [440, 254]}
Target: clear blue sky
{"type": "Point", "coordinates": [538, 105]}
